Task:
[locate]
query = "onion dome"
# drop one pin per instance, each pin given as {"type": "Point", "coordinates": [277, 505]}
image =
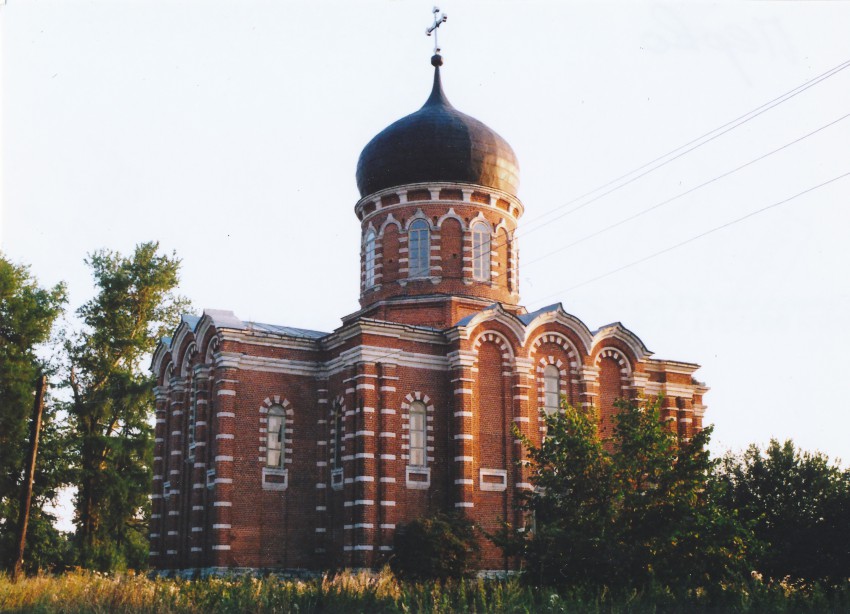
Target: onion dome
{"type": "Point", "coordinates": [437, 143]}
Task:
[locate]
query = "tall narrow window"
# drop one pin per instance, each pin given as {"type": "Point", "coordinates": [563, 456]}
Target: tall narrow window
{"type": "Point", "coordinates": [369, 258]}
{"type": "Point", "coordinates": [480, 252]}
{"type": "Point", "coordinates": [551, 389]}
{"type": "Point", "coordinates": [274, 439]}
{"type": "Point", "coordinates": [419, 249]}
{"type": "Point", "coordinates": [417, 434]}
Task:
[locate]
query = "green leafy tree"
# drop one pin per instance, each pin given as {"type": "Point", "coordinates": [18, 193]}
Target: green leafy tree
{"type": "Point", "coordinates": [637, 511]}
{"type": "Point", "coordinates": [571, 505]}
{"type": "Point", "coordinates": [27, 317]}
{"type": "Point", "coordinates": [670, 526]}
{"type": "Point", "coordinates": [436, 547]}
{"type": "Point", "coordinates": [112, 401]}
{"type": "Point", "coordinates": [798, 504]}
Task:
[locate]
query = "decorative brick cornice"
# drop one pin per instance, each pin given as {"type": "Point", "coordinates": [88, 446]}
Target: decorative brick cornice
{"type": "Point", "coordinates": [516, 208]}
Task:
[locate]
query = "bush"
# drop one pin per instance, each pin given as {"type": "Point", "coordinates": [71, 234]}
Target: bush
{"type": "Point", "coordinates": [437, 547]}
{"type": "Point", "coordinates": [635, 512]}
{"type": "Point", "coordinates": [798, 504]}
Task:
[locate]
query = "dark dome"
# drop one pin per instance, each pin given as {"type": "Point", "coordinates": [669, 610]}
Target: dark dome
{"type": "Point", "coordinates": [437, 143]}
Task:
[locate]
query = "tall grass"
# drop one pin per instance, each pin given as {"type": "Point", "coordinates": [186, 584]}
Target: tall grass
{"type": "Point", "coordinates": [86, 592]}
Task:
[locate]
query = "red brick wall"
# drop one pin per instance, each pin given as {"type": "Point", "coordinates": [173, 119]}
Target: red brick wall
{"type": "Point", "coordinates": [610, 390]}
{"type": "Point", "coordinates": [491, 406]}
{"type": "Point", "coordinates": [493, 415]}
{"type": "Point", "coordinates": [389, 257]}
{"type": "Point", "coordinates": [451, 266]}
{"type": "Point", "coordinates": [311, 525]}
{"type": "Point", "coordinates": [451, 248]}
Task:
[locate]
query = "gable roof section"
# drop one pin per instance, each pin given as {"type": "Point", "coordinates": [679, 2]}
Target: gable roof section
{"type": "Point", "coordinates": [222, 319]}
{"type": "Point", "coordinates": [289, 331]}
{"type": "Point", "coordinates": [556, 313]}
{"type": "Point", "coordinates": [616, 330]}
{"type": "Point", "coordinates": [494, 312]}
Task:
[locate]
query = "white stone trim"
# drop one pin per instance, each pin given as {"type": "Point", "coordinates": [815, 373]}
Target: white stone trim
{"type": "Point", "coordinates": [502, 474]}
{"type": "Point", "coordinates": [417, 471]}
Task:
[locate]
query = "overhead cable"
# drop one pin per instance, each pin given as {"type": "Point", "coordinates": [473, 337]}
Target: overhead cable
{"type": "Point", "coordinates": [689, 146]}
{"type": "Point", "coordinates": [681, 194]}
{"type": "Point", "coordinates": [668, 157]}
{"type": "Point", "coordinates": [692, 239]}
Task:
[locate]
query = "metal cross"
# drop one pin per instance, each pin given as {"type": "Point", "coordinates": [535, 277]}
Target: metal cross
{"type": "Point", "coordinates": [437, 22]}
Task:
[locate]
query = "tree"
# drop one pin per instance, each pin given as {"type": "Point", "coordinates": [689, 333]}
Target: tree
{"type": "Point", "coordinates": [27, 317]}
{"type": "Point", "coordinates": [798, 504]}
{"type": "Point", "coordinates": [112, 401]}
{"type": "Point", "coordinates": [637, 511]}
{"type": "Point", "coordinates": [436, 547]}
{"type": "Point", "coordinates": [571, 504]}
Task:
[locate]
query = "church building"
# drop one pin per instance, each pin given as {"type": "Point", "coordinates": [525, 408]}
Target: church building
{"type": "Point", "coordinates": [280, 448]}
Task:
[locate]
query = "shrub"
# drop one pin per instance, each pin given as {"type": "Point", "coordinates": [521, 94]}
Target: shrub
{"type": "Point", "coordinates": [437, 547]}
{"type": "Point", "coordinates": [633, 512]}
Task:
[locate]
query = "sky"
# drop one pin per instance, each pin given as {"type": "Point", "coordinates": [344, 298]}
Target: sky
{"type": "Point", "coordinates": [230, 132]}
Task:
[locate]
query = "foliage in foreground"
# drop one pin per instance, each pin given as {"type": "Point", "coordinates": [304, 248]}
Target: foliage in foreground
{"type": "Point", "coordinates": [112, 401]}
{"type": "Point", "coordinates": [101, 440]}
{"type": "Point", "coordinates": [634, 512]}
{"type": "Point", "coordinates": [798, 505]}
{"type": "Point", "coordinates": [383, 593]}
{"type": "Point", "coordinates": [28, 313]}
{"type": "Point", "coordinates": [439, 547]}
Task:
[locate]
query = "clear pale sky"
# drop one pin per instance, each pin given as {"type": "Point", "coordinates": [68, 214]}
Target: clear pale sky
{"type": "Point", "coordinates": [230, 131]}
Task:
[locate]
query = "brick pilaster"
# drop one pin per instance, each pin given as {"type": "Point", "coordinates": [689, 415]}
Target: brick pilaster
{"type": "Point", "coordinates": [388, 456]}
{"type": "Point", "coordinates": [158, 512]}
{"type": "Point", "coordinates": [225, 389]}
{"type": "Point", "coordinates": [365, 460]}
{"type": "Point", "coordinates": [589, 387]}
{"type": "Point", "coordinates": [638, 384]}
{"type": "Point", "coordinates": [349, 443]}
{"type": "Point", "coordinates": [324, 428]}
{"type": "Point", "coordinates": [670, 413]}
{"type": "Point", "coordinates": [685, 414]}
{"type": "Point", "coordinates": [174, 474]}
{"type": "Point", "coordinates": [462, 428]}
{"type": "Point", "coordinates": [197, 530]}
{"type": "Point", "coordinates": [524, 419]}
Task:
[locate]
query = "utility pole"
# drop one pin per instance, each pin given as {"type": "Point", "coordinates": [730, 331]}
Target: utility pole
{"type": "Point", "coordinates": [26, 496]}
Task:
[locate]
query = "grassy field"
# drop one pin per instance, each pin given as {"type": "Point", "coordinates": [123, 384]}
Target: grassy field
{"type": "Point", "coordinates": [376, 593]}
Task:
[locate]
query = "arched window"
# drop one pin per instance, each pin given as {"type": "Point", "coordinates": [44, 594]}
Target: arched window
{"type": "Point", "coordinates": [417, 434]}
{"type": "Point", "coordinates": [419, 249]}
{"type": "Point", "coordinates": [480, 252]}
{"type": "Point", "coordinates": [275, 436]}
{"type": "Point", "coordinates": [551, 389]}
{"type": "Point", "coordinates": [369, 258]}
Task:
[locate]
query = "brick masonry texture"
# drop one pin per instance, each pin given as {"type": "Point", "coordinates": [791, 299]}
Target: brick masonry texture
{"type": "Point", "coordinates": [344, 480]}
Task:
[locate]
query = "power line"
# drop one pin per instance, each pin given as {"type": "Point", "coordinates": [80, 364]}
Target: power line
{"type": "Point", "coordinates": [693, 144]}
{"type": "Point", "coordinates": [685, 193]}
{"type": "Point", "coordinates": [663, 160]}
{"type": "Point", "coordinates": [694, 238]}
{"type": "Point", "coordinates": [676, 246]}
{"type": "Point", "coordinates": [688, 147]}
